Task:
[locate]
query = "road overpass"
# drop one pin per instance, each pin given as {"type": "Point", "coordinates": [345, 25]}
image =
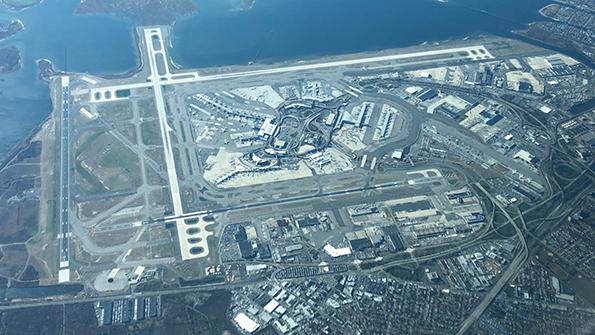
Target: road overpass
{"type": "Point", "coordinates": [513, 269]}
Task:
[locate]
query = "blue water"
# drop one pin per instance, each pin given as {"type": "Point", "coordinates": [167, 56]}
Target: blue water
{"type": "Point", "coordinates": [290, 29]}
{"type": "Point", "coordinates": [273, 30]}
{"type": "Point", "coordinates": [94, 44]}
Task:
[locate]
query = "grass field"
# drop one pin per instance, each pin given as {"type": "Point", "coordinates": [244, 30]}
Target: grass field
{"type": "Point", "coordinates": [104, 164]}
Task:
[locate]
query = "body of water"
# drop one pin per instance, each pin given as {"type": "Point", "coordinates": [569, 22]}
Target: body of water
{"type": "Point", "coordinates": [79, 43]}
{"type": "Point", "coordinates": [220, 34]}
{"type": "Point", "coordinates": [281, 30]}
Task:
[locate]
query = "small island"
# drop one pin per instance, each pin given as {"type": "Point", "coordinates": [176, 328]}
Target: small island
{"type": "Point", "coordinates": [8, 29]}
{"type": "Point", "coordinates": [10, 59]}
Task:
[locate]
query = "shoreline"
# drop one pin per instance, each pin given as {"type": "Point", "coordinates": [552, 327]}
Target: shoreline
{"type": "Point", "coordinates": [23, 143]}
{"type": "Point", "coordinates": [139, 60]}
{"type": "Point", "coordinates": [109, 76]}
{"type": "Point", "coordinates": [16, 9]}
{"type": "Point", "coordinates": [484, 39]}
{"type": "Point", "coordinates": [51, 71]}
{"type": "Point", "coordinates": [542, 11]}
{"type": "Point", "coordinates": [574, 53]}
{"type": "Point", "coordinates": [556, 40]}
{"type": "Point", "coordinates": [514, 35]}
{"type": "Point", "coordinates": [48, 71]}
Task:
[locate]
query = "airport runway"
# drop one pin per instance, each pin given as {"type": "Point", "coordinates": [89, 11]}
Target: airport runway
{"type": "Point", "coordinates": [192, 242]}
{"type": "Point", "coordinates": [447, 53]}
{"type": "Point", "coordinates": [64, 234]}
{"type": "Point", "coordinates": [471, 53]}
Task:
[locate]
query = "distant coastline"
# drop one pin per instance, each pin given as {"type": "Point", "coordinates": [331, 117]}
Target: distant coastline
{"type": "Point", "coordinates": [19, 5]}
{"type": "Point", "coordinates": [145, 13]}
{"type": "Point", "coordinates": [565, 26]}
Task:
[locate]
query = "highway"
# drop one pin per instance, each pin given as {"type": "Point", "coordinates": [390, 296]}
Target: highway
{"type": "Point", "coordinates": [514, 267]}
